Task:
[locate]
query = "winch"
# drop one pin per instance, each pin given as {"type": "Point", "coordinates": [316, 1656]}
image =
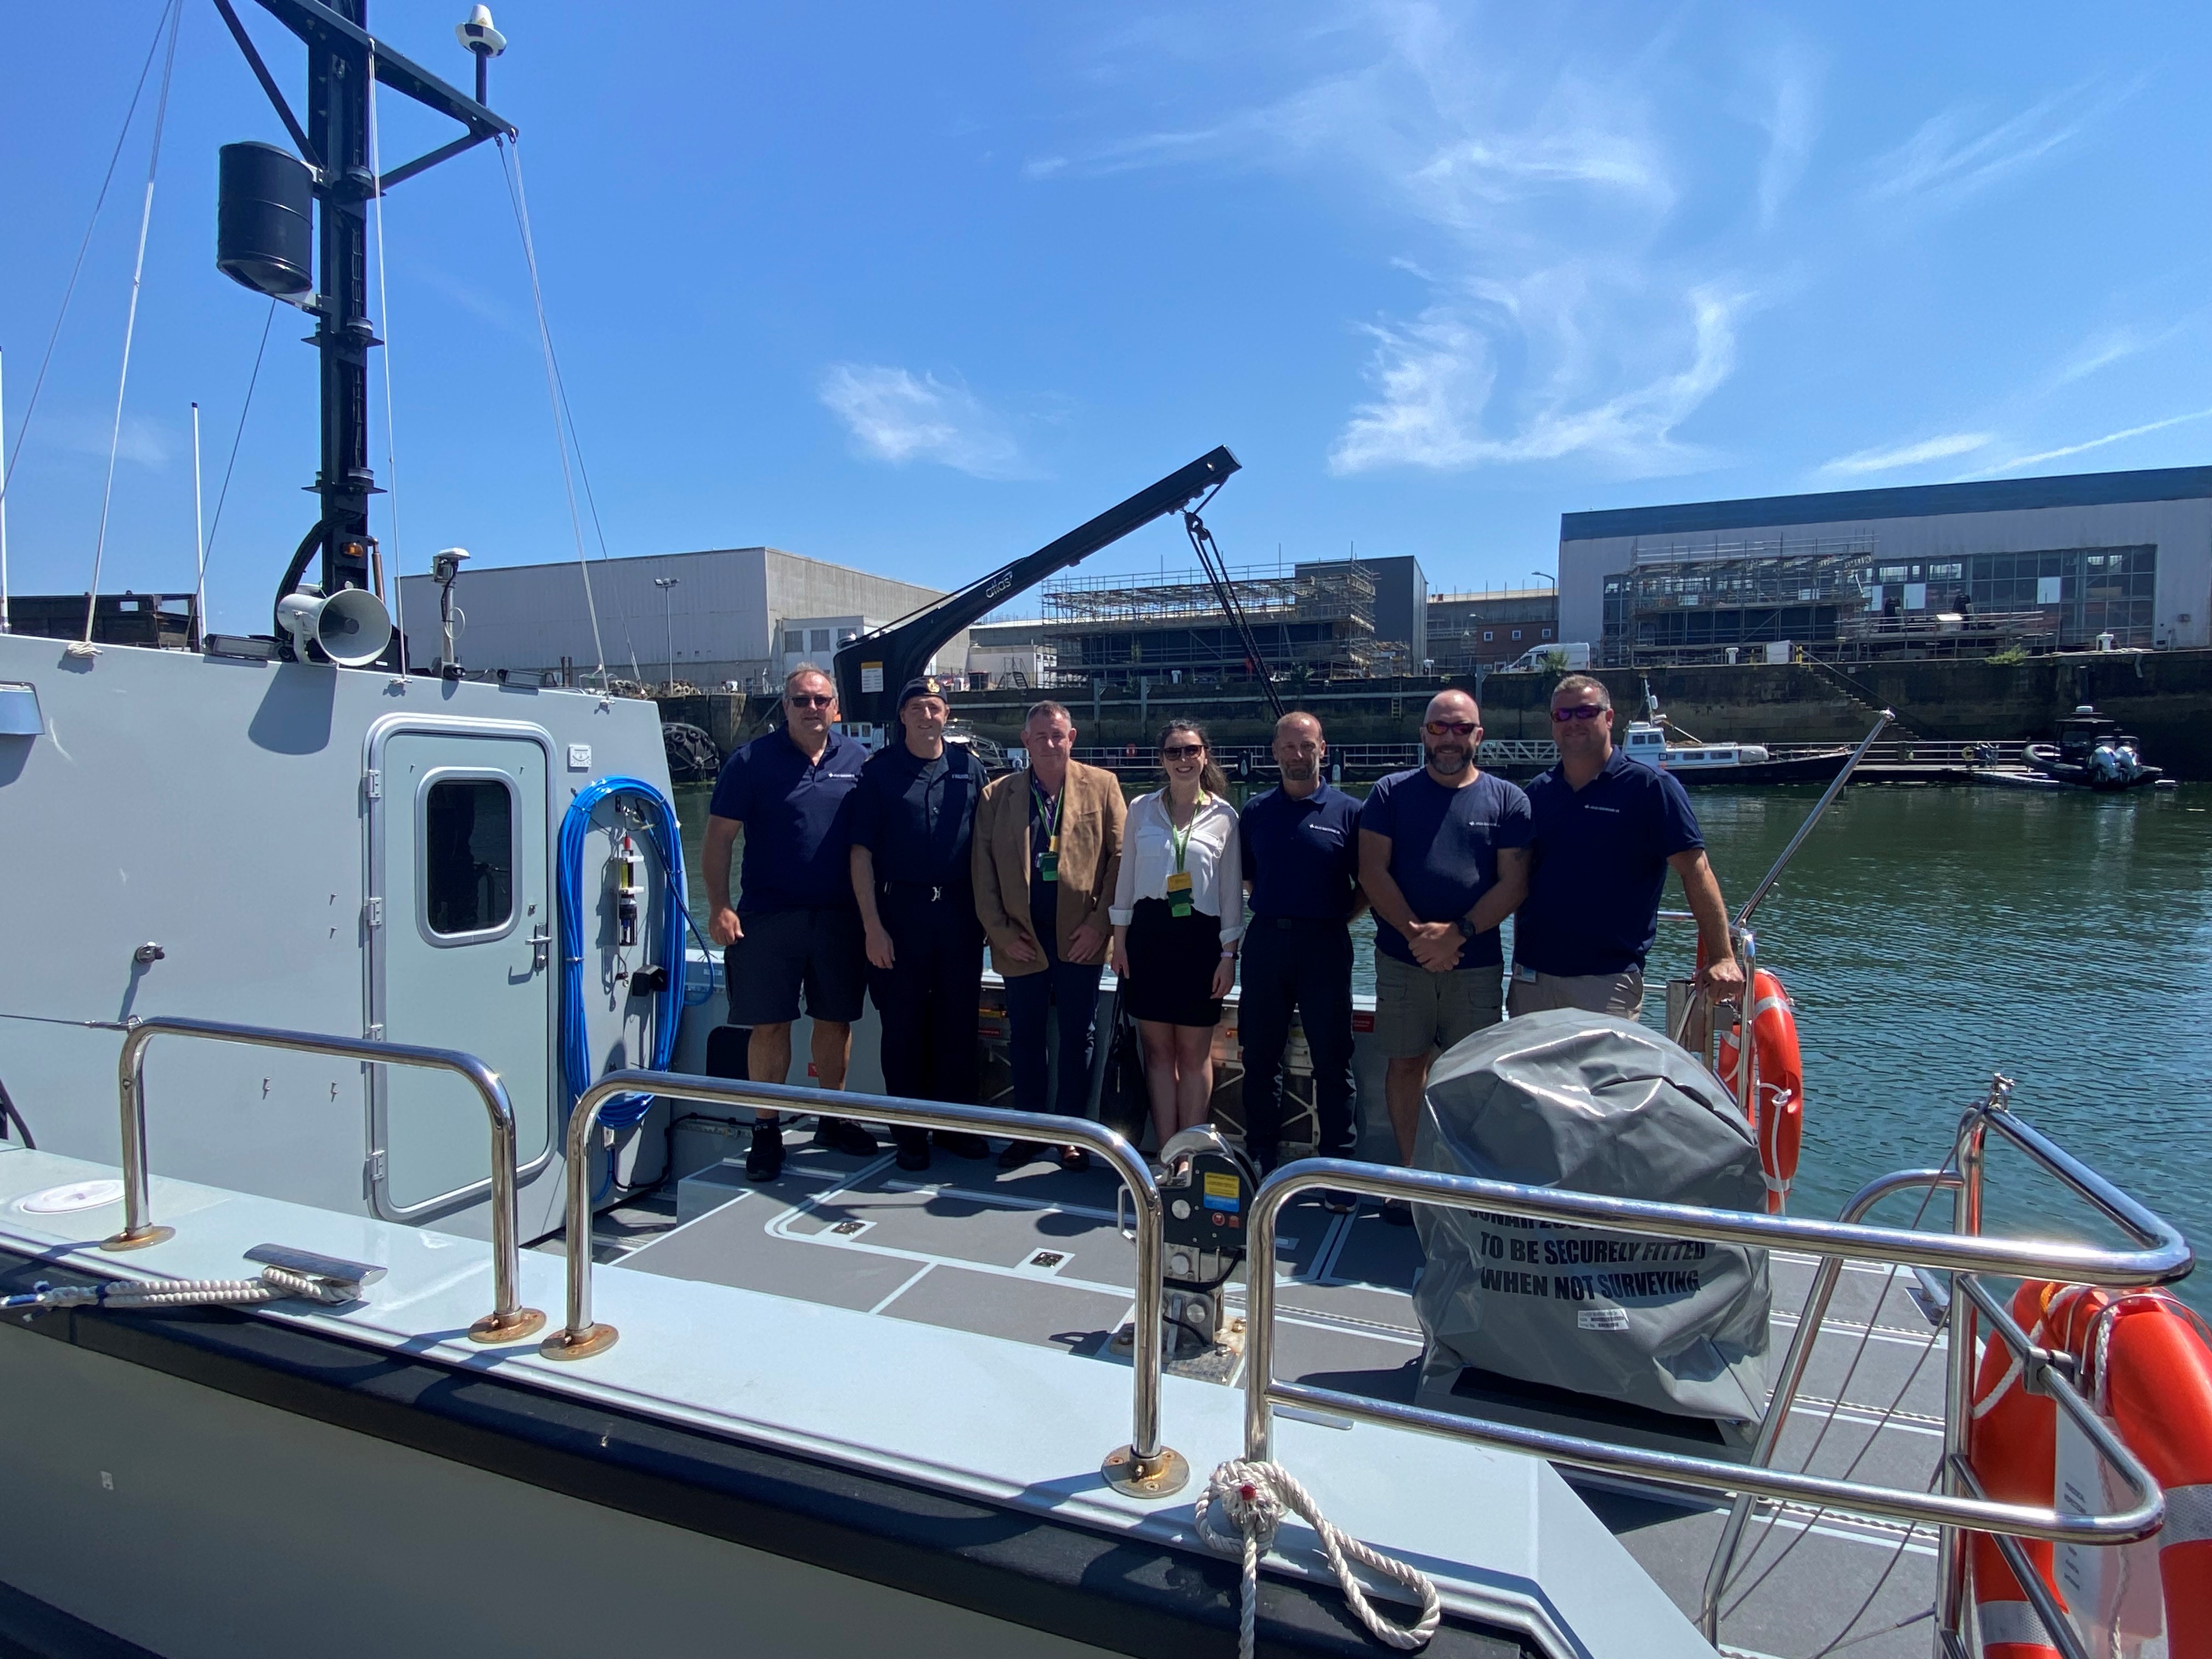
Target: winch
{"type": "Point", "coordinates": [1206, 1191]}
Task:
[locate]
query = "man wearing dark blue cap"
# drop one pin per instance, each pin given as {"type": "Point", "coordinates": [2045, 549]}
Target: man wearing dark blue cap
{"type": "Point", "coordinates": [913, 816]}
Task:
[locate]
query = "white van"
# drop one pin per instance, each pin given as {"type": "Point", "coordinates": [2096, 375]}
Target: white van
{"type": "Point", "coordinates": [1569, 658]}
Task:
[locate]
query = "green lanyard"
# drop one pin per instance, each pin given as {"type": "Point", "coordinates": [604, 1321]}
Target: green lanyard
{"type": "Point", "coordinates": [1178, 882]}
{"type": "Point", "coordinates": [1048, 808]}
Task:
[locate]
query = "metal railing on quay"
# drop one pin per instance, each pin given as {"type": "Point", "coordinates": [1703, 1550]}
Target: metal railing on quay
{"type": "Point", "coordinates": [508, 1321]}
{"type": "Point", "coordinates": [1143, 1469]}
{"type": "Point", "coordinates": [2163, 1256]}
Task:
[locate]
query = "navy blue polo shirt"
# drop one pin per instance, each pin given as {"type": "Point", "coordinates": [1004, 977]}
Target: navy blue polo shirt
{"type": "Point", "coordinates": [1445, 844]}
{"type": "Point", "coordinates": [1598, 865]}
{"type": "Point", "coordinates": [916, 816]}
{"type": "Point", "coordinates": [1301, 854]}
{"type": "Point", "coordinates": [797, 819]}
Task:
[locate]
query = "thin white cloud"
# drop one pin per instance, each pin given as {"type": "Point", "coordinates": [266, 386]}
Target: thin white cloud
{"type": "Point", "coordinates": [1434, 380]}
{"type": "Point", "coordinates": [1791, 121]}
{"type": "Point", "coordinates": [141, 442]}
{"type": "Point", "coordinates": [898, 416]}
{"type": "Point", "coordinates": [1915, 455]}
{"type": "Point", "coordinates": [2019, 461]}
{"type": "Point", "coordinates": [1953, 156]}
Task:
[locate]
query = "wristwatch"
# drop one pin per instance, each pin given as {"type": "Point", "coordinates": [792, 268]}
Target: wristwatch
{"type": "Point", "coordinates": [1466, 927]}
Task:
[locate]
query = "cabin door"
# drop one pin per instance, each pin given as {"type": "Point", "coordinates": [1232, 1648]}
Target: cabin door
{"type": "Point", "coordinates": [462, 956]}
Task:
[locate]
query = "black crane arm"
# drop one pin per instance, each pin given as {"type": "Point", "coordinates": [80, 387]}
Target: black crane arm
{"type": "Point", "coordinates": [872, 668]}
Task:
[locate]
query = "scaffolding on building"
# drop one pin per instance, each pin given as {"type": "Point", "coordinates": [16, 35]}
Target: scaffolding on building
{"type": "Point", "coordinates": [1314, 621]}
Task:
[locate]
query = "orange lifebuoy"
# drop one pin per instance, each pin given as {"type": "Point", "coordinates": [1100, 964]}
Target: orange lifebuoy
{"type": "Point", "coordinates": [2011, 1439]}
{"type": "Point", "coordinates": [2144, 1363]}
{"type": "Point", "coordinates": [1777, 1116]}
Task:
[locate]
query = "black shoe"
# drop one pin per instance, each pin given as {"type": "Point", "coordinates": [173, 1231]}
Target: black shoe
{"type": "Point", "coordinates": [765, 1161]}
{"type": "Point", "coordinates": [842, 1135]}
{"type": "Point", "coordinates": [1337, 1201]}
{"type": "Point", "coordinates": [1074, 1158]}
{"type": "Point", "coordinates": [1397, 1212]}
{"type": "Point", "coordinates": [1019, 1153]}
{"type": "Point", "coordinates": [960, 1144]}
{"type": "Point", "coordinates": [914, 1157]}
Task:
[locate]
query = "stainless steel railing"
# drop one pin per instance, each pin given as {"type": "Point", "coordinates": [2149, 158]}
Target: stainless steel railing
{"type": "Point", "coordinates": [2162, 1257]}
{"type": "Point", "coordinates": [1143, 1469]}
{"type": "Point", "coordinates": [508, 1321]}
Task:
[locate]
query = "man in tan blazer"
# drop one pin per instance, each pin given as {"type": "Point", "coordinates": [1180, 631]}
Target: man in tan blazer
{"type": "Point", "coordinates": [1048, 850]}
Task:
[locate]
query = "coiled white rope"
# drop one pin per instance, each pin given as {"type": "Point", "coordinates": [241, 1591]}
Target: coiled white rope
{"type": "Point", "coordinates": [1239, 1512]}
{"type": "Point", "coordinates": [274, 1285]}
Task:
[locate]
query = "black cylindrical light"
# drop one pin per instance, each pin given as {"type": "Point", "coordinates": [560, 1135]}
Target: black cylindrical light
{"type": "Point", "coordinates": [264, 220]}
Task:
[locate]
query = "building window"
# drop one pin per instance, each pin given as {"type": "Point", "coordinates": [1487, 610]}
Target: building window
{"type": "Point", "coordinates": [468, 856]}
{"type": "Point", "coordinates": [795, 641]}
{"type": "Point", "coordinates": [1488, 634]}
{"type": "Point", "coordinates": [1548, 633]}
{"type": "Point", "coordinates": [821, 640]}
{"type": "Point", "coordinates": [1516, 633]}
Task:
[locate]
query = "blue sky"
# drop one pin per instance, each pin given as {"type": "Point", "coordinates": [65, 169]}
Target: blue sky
{"type": "Point", "coordinates": [917, 289]}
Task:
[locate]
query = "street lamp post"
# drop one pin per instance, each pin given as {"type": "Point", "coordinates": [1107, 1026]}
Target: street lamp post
{"type": "Point", "coordinates": [667, 585]}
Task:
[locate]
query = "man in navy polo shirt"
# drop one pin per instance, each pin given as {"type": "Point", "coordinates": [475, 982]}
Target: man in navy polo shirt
{"type": "Point", "coordinates": [1443, 860]}
{"type": "Point", "coordinates": [797, 928]}
{"type": "Point", "coordinates": [1607, 828]}
{"type": "Point", "coordinates": [1302, 865]}
{"type": "Point", "coordinates": [913, 816]}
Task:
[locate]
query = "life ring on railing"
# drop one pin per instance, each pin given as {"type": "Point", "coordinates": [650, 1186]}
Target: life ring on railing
{"type": "Point", "coordinates": [1777, 1117]}
{"type": "Point", "coordinates": [2143, 1363]}
{"type": "Point", "coordinates": [2011, 1440]}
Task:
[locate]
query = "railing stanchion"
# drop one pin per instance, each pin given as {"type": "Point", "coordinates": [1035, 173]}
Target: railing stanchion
{"type": "Point", "coordinates": [1953, 1559]}
{"type": "Point", "coordinates": [1146, 1468]}
{"type": "Point", "coordinates": [508, 1321]}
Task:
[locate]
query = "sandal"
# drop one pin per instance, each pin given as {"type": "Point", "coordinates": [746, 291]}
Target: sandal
{"type": "Point", "coordinates": [1074, 1158]}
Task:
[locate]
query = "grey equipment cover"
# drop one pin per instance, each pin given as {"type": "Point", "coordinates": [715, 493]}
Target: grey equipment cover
{"type": "Point", "coordinates": [1593, 1104]}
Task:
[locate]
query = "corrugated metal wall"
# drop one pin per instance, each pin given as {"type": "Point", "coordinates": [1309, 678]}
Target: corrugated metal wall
{"type": "Point", "coordinates": [716, 623]}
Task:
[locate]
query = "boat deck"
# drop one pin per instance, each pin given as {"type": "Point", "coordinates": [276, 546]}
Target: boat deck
{"type": "Point", "coordinates": [1033, 1257]}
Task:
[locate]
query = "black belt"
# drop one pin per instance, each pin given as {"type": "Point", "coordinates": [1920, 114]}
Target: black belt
{"type": "Point", "coordinates": [935, 894]}
{"type": "Point", "coordinates": [1289, 924]}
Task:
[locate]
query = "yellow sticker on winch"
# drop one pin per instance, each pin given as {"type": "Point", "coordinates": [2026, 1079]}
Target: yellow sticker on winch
{"type": "Point", "coordinates": [1220, 1186]}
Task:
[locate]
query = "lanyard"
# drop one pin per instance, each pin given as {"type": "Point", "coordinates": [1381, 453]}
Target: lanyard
{"type": "Point", "coordinates": [1048, 807]}
{"type": "Point", "coordinates": [1181, 838]}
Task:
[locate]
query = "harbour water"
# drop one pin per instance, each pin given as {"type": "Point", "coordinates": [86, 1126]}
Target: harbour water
{"type": "Point", "coordinates": [1930, 936]}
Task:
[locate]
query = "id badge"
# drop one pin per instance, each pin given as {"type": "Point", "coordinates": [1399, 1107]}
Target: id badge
{"type": "Point", "coordinates": [1178, 882]}
{"type": "Point", "coordinates": [1048, 866]}
{"type": "Point", "coordinates": [1179, 905]}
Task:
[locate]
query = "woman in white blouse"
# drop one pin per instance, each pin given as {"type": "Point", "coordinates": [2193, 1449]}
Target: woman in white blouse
{"type": "Point", "coordinates": [1178, 912]}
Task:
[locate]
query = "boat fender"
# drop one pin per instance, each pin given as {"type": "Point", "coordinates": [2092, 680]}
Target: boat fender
{"type": "Point", "coordinates": [1777, 1116]}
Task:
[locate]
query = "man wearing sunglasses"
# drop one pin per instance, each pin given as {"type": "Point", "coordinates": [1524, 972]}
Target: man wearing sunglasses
{"type": "Point", "coordinates": [1443, 859]}
{"type": "Point", "coordinates": [799, 929]}
{"type": "Point", "coordinates": [1605, 830]}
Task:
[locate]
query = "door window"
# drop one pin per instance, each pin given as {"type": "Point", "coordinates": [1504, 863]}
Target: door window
{"type": "Point", "coordinates": [468, 856]}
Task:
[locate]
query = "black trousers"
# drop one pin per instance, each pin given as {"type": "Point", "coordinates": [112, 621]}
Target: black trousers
{"type": "Point", "coordinates": [1305, 965]}
{"type": "Point", "coordinates": [927, 998]}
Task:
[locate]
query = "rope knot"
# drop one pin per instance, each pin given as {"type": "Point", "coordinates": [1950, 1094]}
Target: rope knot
{"type": "Point", "coordinates": [1240, 1513]}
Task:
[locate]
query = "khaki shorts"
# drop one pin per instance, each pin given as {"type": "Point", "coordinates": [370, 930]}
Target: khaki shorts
{"type": "Point", "coordinates": [1417, 1013]}
{"type": "Point", "coordinates": [1597, 993]}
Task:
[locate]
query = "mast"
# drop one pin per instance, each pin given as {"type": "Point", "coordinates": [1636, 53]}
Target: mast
{"type": "Point", "coordinates": [262, 242]}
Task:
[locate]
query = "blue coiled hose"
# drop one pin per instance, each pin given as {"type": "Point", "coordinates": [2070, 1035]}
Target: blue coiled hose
{"type": "Point", "coordinates": [625, 1111]}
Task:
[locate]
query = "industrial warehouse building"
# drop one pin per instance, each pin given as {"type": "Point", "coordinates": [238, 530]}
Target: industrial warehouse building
{"type": "Point", "coordinates": [737, 614]}
{"type": "Point", "coordinates": [2045, 563]}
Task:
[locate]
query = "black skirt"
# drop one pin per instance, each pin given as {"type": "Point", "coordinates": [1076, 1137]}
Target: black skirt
{"type": "Point", "coordinates": [1171, 962]}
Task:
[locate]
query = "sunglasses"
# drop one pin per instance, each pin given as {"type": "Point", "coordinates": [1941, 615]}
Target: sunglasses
{"type": "Point", "coordinates": [809, 700]}
{"type": "Point", "coordinates": [1451, 728]}
{"type": "Point", "coordinates": [1585, 711]}
{"type": "Point", "coordinates": [1176, 751]}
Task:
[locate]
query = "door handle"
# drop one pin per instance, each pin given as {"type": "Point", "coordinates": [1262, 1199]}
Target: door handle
{"type": "Point", "coordinates": [541, 945]}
